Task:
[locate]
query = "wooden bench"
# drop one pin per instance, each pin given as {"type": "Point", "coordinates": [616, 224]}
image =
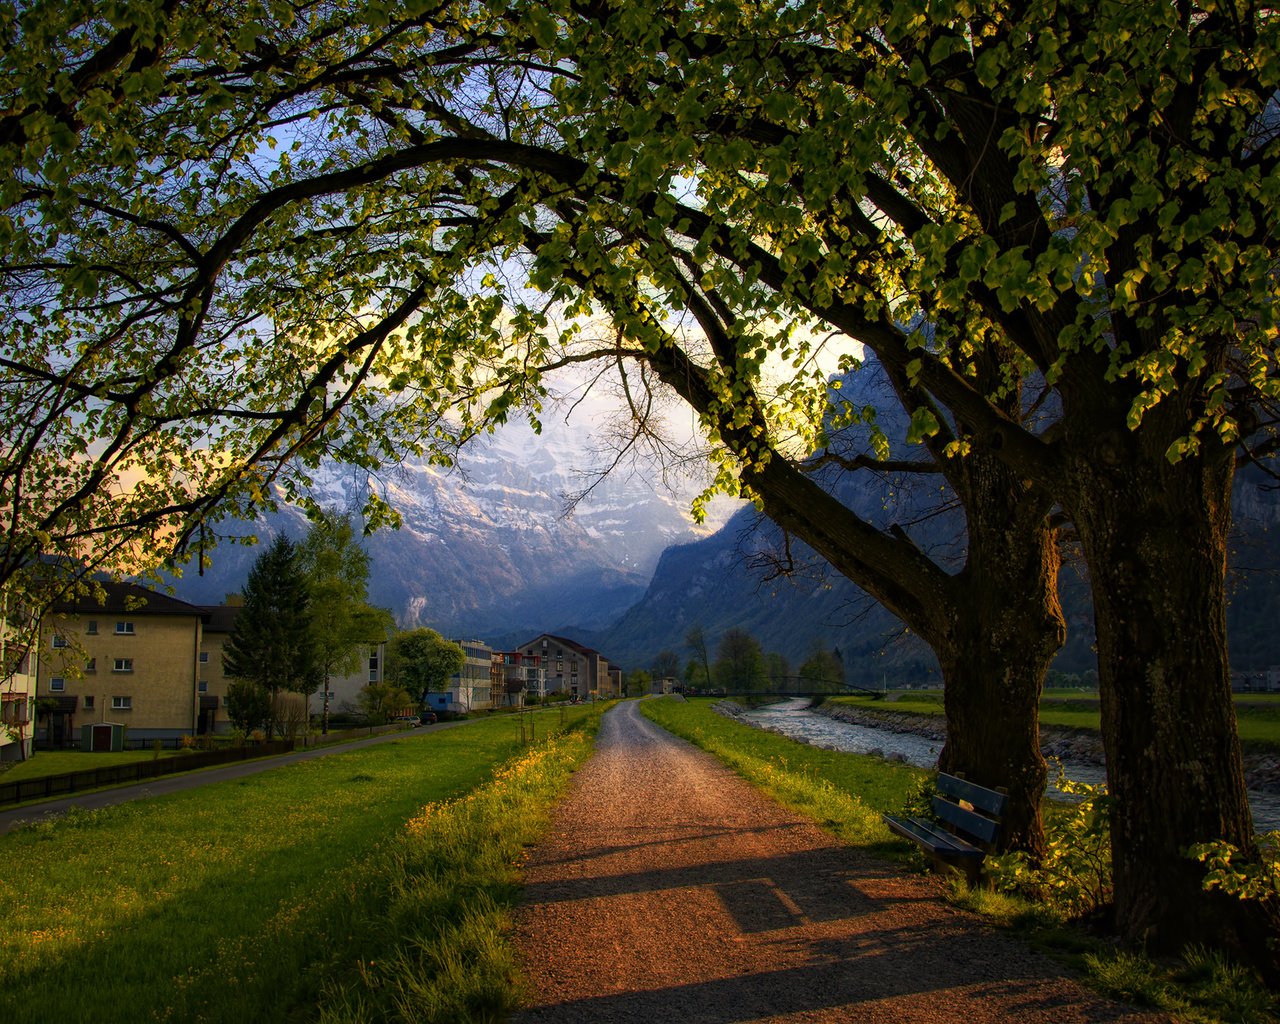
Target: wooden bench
{"type": "Point", "coordinates": [969, 825]}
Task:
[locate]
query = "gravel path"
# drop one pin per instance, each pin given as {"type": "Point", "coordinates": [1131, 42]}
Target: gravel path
{"type": "Point", "coordinates": [670, 890]}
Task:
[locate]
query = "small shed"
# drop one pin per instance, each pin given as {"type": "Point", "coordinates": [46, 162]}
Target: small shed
{"type": "Point", "coordinates": [102, 736]}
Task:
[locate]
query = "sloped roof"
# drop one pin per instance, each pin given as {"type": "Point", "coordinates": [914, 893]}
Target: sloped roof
{"type": "Point", "coordinates": [220, 618]}
{"type": "Point", "coordinates": [580, 648]}
{"type": "Point", "coordinates": [122, 598]}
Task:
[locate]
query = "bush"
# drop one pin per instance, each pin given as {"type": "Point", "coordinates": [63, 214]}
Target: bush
{"type": "Point", "coordinates": [1256, 878]}
{"type": "Point", "coordinates": [1074, 878]}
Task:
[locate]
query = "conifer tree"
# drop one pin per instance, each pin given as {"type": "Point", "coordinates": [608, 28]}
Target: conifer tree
{"type": "Point", "coordinates": [270, 644]}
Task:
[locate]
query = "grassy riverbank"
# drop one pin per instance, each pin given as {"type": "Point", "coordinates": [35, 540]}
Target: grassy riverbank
{"type": "Point", "coordinates": [846, 794]}
{"type": "Point", "coordinates": [373, 884]}
{"type": "Point", "coordinates": [1258, 715]}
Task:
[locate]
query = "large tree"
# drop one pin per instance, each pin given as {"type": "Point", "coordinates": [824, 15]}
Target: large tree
{"type": "Point", "coordinates": [270, 646]}
{"type": "Point", "coordinates": [1075, 197]}
{"type": "Point", "coordinates": [175, 350]}
{"type": "Point", "coordinates": [1053, 225]}
{"type": "Point", "coordinates": [366, 308]}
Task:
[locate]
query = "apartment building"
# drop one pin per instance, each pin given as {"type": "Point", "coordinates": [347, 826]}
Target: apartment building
{"type": "Point", "coordinates": [121, 654]}
{"type": "Point", "coordinates": [573, 668]}
{"type": "Point", "coordinates": [472, 689]}
{"type": "Point", "coordinates": [211, 689]}
{"type": "Point", "coordinates": [520, 676]}
{"type": "Point", "coordinates": [344, 690]}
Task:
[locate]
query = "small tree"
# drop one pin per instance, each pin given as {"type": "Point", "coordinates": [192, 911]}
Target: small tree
{"type": "Point", "coordinates": [380, 702]}
{"type": "Point", "coordinates": [638, 683]}
{"type": "Point", "coordinates": [666, 663]}
{"type": "Point", "coordinates": [342, 621]}
{"type": "Point", "coordinates": [270, 644]}
{"type": "Point", "coordinates": [822, 671]}
{"type": "Point", "coordinates": [695, 676]}
{"type": "Point", "coordinates": [248, 705]}
{"type": "Point", "coordinates": [421, 660]}
{"type": "Point", "coordinates": [777, 670]}
{"type": "Point", "coordinates": [696, 641]}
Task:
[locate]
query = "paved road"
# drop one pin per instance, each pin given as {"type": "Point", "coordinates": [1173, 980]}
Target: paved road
{"type": "Point", "coordinates": [190, 780]}
{"type": "Point", "coordinates": [668, 889]}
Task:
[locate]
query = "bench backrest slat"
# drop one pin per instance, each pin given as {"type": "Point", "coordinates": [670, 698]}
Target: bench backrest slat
{"type": "Point", "coordinates": [986, 800]}
{"type": "Point", "coordinates": [968, 822]}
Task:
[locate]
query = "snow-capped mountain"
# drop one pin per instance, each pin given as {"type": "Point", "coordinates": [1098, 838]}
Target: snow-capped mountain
{"type": "Point", "coordinates": [492, 546]}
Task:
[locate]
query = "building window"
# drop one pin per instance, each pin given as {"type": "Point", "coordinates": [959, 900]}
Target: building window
{"type": "Point", "coordinates": [124, 629]}
{"type": "Point", "coordinates": [121, 703]}
{"type": "Point", "coordinates": [59, 641]}
{"type": "Point", "coordinates": [92, 628]}
{"type": "Point", "coordinates": [91, 665]}
{"type": "Point", "coordinates": [57, 684]}
{"type": "Point", "coordinates": [88, 702]}
{"type": "Point", "coordinates": [13, 709]}
{"type": "Point", "coordinates": [204, 657]}
{"type": "Point", "coordinates": [123, 665]}
{"type": "Point", "coordinates": [204, 686]}
{"type": "Point", "coordinates": [226, 701]}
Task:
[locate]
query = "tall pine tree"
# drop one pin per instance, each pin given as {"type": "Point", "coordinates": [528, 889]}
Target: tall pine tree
{"type": "Point", "coordinates": [270, 644]}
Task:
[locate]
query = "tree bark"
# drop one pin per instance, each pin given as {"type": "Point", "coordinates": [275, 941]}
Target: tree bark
{"type": "Point", "coordinates": [1154, 535]}
{"type": "Point", "coordinates": [1008, 628]}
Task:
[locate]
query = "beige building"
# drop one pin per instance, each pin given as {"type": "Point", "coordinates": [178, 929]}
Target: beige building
{"type": "Point", "coordinates": [127, 655]}
{"type": "Point", "coordinates": [344, 690]}
{"type": "Point", "coordinates": [17, 684]}
{"type": "Point", "coordinates": [211, 689]}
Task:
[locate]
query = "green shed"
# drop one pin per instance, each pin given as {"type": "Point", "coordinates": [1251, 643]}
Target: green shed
{"type": "Point", "coordinates": [102, 736]}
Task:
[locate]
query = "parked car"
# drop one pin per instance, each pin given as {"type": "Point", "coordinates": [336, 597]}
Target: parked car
{"type": "Point", "coordinates": [428, 717]}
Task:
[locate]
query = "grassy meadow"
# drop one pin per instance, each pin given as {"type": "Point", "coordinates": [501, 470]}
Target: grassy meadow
{"type": "Point", "coordinates": [336, 889]}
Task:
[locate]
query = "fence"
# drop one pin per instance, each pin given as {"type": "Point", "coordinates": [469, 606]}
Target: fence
{"type": "Point", "coordinates": [133, 771]}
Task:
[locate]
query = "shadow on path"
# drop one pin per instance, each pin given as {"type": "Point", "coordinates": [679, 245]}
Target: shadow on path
{"type": "Point", "coordinates": [670, 890]}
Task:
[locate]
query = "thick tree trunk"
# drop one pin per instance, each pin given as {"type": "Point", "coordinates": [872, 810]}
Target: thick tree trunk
{"type": "Point", "coordinates": [993, 684]}
{"type": "Point", "coordinates": [1008, 628]}
{"type": "Point", "coordinates": [1154, 535]}
{"type": "Point", "coordinates": [994, 627]}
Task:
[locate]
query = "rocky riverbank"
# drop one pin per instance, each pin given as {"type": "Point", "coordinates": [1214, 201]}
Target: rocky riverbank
{"type": "Point", "coordinates": [1261, 768]}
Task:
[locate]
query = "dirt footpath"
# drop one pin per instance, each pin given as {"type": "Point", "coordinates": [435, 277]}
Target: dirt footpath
{"type": "Point", "coordinates": [670, 890]}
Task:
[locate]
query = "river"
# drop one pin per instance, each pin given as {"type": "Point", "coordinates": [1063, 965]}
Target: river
{"type": "Point", "coordinates": [794, 719]}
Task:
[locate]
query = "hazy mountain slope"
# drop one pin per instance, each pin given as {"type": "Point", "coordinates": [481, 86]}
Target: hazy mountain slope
{"type": "Point", "coordinates": [488, 548]}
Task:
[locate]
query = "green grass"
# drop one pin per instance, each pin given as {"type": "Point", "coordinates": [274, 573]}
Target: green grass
{"type": "Point", "coordinates": [1258, 715]}
{"type": "Point", "coordinates": [846, 793]}
{"type": "Point", "coordinates": [283, 896]}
